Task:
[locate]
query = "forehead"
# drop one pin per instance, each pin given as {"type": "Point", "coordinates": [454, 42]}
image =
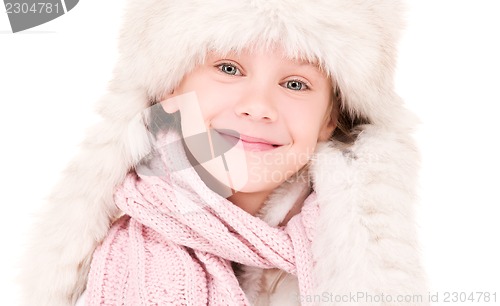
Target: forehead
{"type": "Point", "coordinates": [268, 52]}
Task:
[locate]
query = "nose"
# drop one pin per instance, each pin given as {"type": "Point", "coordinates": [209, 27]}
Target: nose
{"type": "Point", "coordinates": [257, 105]}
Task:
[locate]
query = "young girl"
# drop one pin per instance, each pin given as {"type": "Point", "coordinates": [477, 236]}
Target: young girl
{"type": "Point", "coordinates": [250, 153]}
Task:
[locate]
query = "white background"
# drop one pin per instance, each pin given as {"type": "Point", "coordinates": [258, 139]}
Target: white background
{"type": "Point", "coordinates": [449, 73]}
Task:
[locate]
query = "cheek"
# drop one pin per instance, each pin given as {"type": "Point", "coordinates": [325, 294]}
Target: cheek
{"type": "Point", "coordinates": [305, 126]}
{"type": "Point", "coordinates": [213, 99]}
{"type": "Point", "coordinates": [303, 146]}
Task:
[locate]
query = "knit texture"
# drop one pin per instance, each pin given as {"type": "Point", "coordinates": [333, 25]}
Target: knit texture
{"type": "Point", "coordinates": [177, 239]}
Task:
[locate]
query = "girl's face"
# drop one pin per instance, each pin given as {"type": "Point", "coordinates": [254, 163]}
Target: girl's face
{"type": "Point", "coordinates": [277, 106]}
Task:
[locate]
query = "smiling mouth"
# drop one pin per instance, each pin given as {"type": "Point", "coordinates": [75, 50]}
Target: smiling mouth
{"type": "Point", "coordinates": [249, 143]}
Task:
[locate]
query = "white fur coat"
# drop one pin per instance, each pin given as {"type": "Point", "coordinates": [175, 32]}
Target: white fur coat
{"type": "Point", "coordinates": [366, 242]}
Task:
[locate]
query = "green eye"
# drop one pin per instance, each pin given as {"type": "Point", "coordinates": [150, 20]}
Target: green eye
{"type": "Point", "coordinates": [295, 85]}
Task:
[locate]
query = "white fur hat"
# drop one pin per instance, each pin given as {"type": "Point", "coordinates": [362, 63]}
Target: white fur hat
{"type": "Point", "coordinates": [355, 41]}
{"type": "Point", "coordinates": [161, 40]}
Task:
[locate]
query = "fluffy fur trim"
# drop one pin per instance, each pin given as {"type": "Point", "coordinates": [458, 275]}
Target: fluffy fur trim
{"type": "Point", "coordinates": [162, 40]}
{"type": "Point", "coordinates": [368, 240]}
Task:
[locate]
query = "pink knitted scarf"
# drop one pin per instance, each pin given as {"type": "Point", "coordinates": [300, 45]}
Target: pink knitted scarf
{"type": "Point", "coordinates": [177, 239]}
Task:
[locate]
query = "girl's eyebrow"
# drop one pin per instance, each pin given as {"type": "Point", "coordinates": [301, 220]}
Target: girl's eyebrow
{"type": "Point", "coordinates": [309, 66]}
{"type": "Point", "coordinates": [305, 63]}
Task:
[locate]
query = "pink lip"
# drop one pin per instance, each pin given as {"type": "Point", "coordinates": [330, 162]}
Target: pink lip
{"type": "Point", "coordinates": [253, 143]}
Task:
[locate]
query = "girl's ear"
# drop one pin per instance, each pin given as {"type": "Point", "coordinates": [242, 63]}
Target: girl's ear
{"type": "Point", "coordinates": [329, 122]}
{"type": "Point", "coordinates": [327, 130]}
{"type": "Point", "coordinates": [169, 103]}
